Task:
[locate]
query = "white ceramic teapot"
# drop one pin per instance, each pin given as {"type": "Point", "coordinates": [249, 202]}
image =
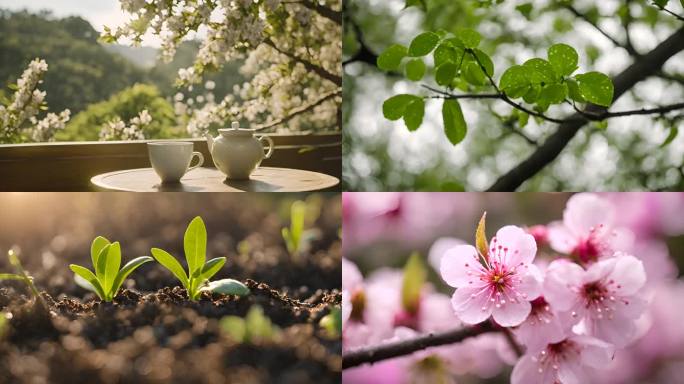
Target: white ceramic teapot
{"type": "Point", "coordinates": [237, 152]}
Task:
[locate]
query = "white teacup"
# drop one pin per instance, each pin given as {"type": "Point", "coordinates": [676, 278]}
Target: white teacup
{"type": "Point", "coordinates": [171, 159]}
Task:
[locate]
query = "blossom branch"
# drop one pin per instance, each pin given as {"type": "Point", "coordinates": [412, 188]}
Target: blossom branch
{"type": "Point", "coordinates": [405, 347]}
{"type": "Point", "coordinates": [324, 11]}
{"type": "Point", "coordinates": [320, 71]}
{"type": "Point", "coordinates": [300, 110]}
{"type": "Point", "coordinates": [642, 68]}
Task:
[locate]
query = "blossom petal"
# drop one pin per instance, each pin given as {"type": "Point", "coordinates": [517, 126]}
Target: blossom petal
{"type": "Point", "coordinates": [560, 237]}
{"type": "Point", "coordinates": [526, 371]}
{"type": "Point", "coordinates": [439, 248]}
{"type": "Point", "coordinates": [561, 276]}
{"type": "Point", "coordinates": [595, 353]}
{"type": "Point", "coordinates": [459, 266]}
{"type": "Point", "coordinates": [522, 246]}
{"type": "Point", "coordinates": [351, 277]}
{"type": "Point", "coordinates": [628, 273]}
{"type": "Point", "coordinates": [618, 330]}
{"type": "Point", "coordinates": [512, 314]}
{"type": "Point", "coordinates": [472, 305]}
{"type": "Point", "coordinates": [530, 285]}
{"type": "Point", "coordinates": [585, 211]}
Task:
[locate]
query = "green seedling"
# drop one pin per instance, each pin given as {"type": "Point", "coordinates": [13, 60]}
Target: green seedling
{"type": "Point", "coordinates": [21, 275]}
{"type": "Point", "coordinates": [254, 327]}
{"type": "Point", "coordinates": [196, 280]}
{"type": "Point", "coordinates": [107, 279]}
{"type": "Point", "coordinates": [293, 235]}
{"type": "Point", "coordinates": [332, 323]}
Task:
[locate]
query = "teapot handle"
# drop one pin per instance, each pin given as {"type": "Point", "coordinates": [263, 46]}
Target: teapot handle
{"type": "Point", "coordinates": [270, 145]}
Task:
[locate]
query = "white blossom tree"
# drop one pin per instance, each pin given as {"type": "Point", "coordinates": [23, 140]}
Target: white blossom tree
{"type": "Point", "coordinates": [291, 51]}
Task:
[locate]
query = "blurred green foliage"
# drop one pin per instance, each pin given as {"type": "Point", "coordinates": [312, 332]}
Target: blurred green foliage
{"type": "Point", "coordinates": [126, 104]}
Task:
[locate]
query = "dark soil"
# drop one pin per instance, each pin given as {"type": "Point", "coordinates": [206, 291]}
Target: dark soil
{"type": "Point", "coordinates": [151, 333]}
{"type": "Point", "coordinates": [163, 337]}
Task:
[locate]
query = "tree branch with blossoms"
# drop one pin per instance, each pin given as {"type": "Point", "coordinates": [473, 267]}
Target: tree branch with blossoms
{"type": "Point", "coordinates": [563, 317]}
{"type": "Point", "coordinates": [292, 50]}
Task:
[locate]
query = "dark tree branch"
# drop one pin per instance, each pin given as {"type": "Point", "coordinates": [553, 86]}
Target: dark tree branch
{"type": "Point", "coordinates": [322, 10]}
{"type": "Point", "coordinates": [320, 71]}
{"type": "Point", "coordinates": [673, 14]}
{"type": "Point", "coordinates": [645, 66]}
{"type": "Point", "coordinates": [300, 110]}
{"type": "Point", "coordinates": [364, 54]}
{"type": "Point", "coordinates": [405, 347]}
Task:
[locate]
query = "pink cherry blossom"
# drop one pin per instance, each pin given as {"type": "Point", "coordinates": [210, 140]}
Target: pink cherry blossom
{"type": "Point", "coordinates": [605, 299]}
{"type": "Point", "coordinates": [568, 362]}
{"type": "Point", "coordinates": [587, 230]}
{"type": "Point", "coordinates": [502, 286]}
{"type": "Point", "coordinates": [542, 327]}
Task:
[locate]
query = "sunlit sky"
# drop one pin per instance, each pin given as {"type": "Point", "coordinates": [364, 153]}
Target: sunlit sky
{"type": "Point", "coordinates": [98, 12]}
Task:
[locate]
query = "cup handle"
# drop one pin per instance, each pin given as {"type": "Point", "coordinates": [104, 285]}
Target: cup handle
{"type": "Point", "coordinates": [270, 145]}
{"type": "Point", "coordinates": [200, 157]}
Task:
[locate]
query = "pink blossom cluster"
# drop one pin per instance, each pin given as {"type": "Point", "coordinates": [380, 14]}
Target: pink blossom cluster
{"type": "Point", "coordinates": [590, 298]}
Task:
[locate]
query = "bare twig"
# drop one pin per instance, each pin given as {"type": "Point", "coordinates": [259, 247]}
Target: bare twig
{"type": "Point", "coordinates": [584, 17]}
{"type": "Point", "coordinates": [679, 17]}
{"type": "Point", "coordinates": [320, 71]}
{"type": "Point", "coordinates": [300, 110]}
{"type": "Point", "coordinates": [405, 347]}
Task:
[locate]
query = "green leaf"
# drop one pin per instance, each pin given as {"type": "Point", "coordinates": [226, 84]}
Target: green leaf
{"type": "Point", "coordinates": [660, 3]}
{"type": "Point", "coordinates": [544, 71]}
{"type": "Point", "coordinates": [416, 3]}
{"type": "Point", "coordinates": [332, 322]}
{"type": "Point", "coordinates": [89, 277]}
{"type": "Point", "coordinates": [563, 59]}
{"type": "Point", "coordinates": [525, 9]}
{"type": "Point", "coordinates": [515, 81]}
{"type": "Point", "coordinates": [452, 186]}
{"type": "Point", "coordinates": [596, 88]}
{"type": "Point", "coordinates": [112, 265]}
{"type": "Point", "coordinates": [390, 59]}
{"type": "Point", "coordinates": [554, 93]}
{"type": "Point", "coordinates": [210, 268]}
{"type": "Point", "coordinates": [455, 125]}
{"type": "Point", "coordinates": [227, 287]}
{"type": "Point", "coordinates": [447, 52]}
{"type": "Point", "coordinates": [101, 266]}
{"type": "Point", "coordinates": [413, 116]}
{"type": "Point", "coordinates": [125, 271]}
{"type": "Point", "coordinates": [485, 60]}
{"type": "Point", "coordinates": [673, 134]}
{"type": "Point", "coordinates": [394, 107]}
{"type": "Point", "coordinates": [445, 73]}
{"type": "Point", "coordinates": [532, 93]}
{"type": "Point", "coordinates": [170, 263]}
{"type": "Point", "coordinates": [95, 248]}
{"type": "Point", "coordinates": [423, 44]}
{"type": "Point", "coordinates": [573, 91]}
{"type": "Point", "coordinates": [473, 74]}
{"type": "Point", "coordinates": [415, 274]}
{"type": "Point", "coordinates": [415, 69]}
{"type": "Point", "coordinates": [297, 216]}
{"type": "Point", "coordinates": [469, 38]}
{"type": "Point", "coordinates": [195, 244]}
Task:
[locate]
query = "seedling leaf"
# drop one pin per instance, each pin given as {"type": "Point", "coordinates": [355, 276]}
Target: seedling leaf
{"type": "Point", "coordinates": [170, 262]}
{"type": "Point", "coordinates": [210, 268]}
{"type": "Point", "coordinates": [227, 287]}
{"type": "Point", "coordinates": [195, 244]}
{"type": "Point", "coordinates": [125, 271]}
{"type": "Point", "coordinates": [96, 247]}
{"type": "Point", "coordinates": [89, 277]}
{"type": "Point", "coordinates": [10, 276]}
{"type": "Point", "coordinates": [101, 265]}
{"type": "Point", "coordinates": [113, 263]}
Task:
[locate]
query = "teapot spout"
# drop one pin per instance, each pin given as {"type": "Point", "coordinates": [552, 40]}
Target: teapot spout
{"type": "Point", "coordinates": [210, 141]}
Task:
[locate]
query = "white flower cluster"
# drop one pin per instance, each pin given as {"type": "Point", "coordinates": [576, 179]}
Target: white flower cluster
{"type": "Point", "coordinates": [26, 103]}
{"type": "Point", "coordinates": [45, 129]}
{"type": "Point", "coordinates": [247, 29]}
{"type": "Point", "coordinates": [118, 130]}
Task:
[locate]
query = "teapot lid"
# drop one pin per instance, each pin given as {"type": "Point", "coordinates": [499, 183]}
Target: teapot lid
{"type": "Point", "coordinates": [235, 130]}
